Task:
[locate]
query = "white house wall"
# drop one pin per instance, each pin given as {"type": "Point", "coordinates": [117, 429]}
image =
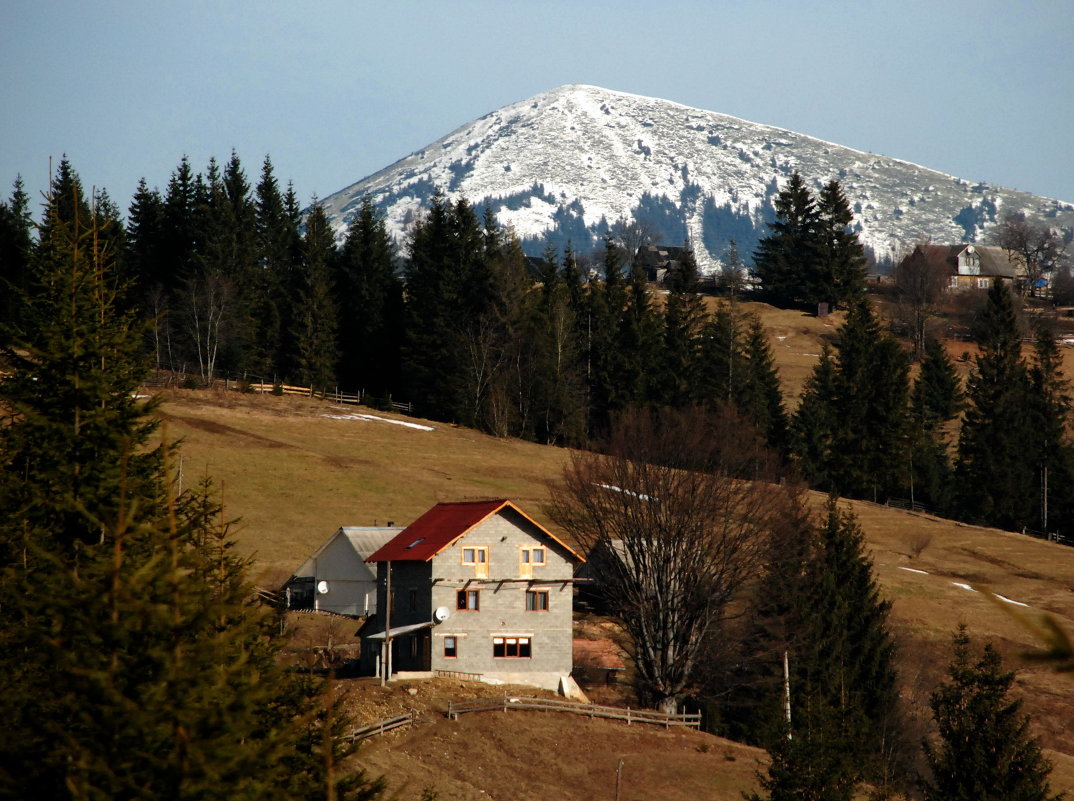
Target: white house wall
{"type": "Point", "coordinates": [352, 585]}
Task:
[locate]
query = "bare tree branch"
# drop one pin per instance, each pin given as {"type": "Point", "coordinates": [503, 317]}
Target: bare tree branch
{"type": "Point", "coordinates": [674, 536]}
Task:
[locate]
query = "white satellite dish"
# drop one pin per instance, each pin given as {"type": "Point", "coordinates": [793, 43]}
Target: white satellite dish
{"type": "Point", "coordinates": [441, 613]}
{"type": "Point", "coordinates": [322, 587]}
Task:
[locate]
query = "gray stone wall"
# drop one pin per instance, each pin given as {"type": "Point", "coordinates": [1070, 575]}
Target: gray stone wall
{"type": "Point", "coordinates": [502, 609]}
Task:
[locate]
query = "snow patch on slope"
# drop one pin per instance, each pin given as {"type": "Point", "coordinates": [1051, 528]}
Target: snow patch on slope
{"type": "Point", "coordinates": [571, 161]}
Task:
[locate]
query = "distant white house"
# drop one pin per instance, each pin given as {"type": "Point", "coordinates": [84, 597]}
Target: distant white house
{"type": "Point", "coordinates": [336, 578]}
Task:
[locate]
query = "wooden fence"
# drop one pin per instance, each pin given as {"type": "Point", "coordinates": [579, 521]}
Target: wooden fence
{"type": "Point", "coordinates": [170, 378]}
{"type": "Point", "coordinates": [335, 395]}
{"type": "Point", "coordinates": [691, 719]}
{"type": "Point", "coordinates": [381, 726]}
{"type": "Point", "coordinates": [913, 506]}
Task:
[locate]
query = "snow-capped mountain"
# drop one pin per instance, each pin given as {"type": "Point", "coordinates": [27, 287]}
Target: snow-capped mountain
{"type": "Point", "coordinates": [569, 163]}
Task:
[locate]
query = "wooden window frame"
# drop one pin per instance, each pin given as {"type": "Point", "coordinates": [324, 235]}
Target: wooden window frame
{"type": "Point", "coordinates": [462, 601]}
{"type": "Point", "coordinates": [477, 549]}
{"type": "Point", "coordinates": [512, 647]}
{"type": "Point", "coordinates": [534, 602]}
{"type": "Point", "coordinates": [528, 553]}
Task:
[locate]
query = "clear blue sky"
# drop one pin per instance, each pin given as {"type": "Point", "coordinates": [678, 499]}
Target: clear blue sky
{"type": "Point", "coordinates": [333, 91]}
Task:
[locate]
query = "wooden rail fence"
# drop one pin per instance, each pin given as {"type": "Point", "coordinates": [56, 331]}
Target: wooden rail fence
{"type": "Point", "coordinates": [690, 719]}
{"type": "Point", "coordinates": [380, 727]}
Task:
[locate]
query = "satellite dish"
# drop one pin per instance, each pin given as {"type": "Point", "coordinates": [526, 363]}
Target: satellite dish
{"type": "Point", "coordinates": [441, 613]}
{"type": "Point", "coordinates": [322, 587]}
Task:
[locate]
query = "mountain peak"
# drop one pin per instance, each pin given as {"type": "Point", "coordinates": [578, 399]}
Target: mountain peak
{"type": "Point", "coordinates": [571, 162]}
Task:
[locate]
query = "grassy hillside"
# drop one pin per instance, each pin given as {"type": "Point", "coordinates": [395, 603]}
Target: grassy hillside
{"type": "Point", "coordinates": [293, 472]}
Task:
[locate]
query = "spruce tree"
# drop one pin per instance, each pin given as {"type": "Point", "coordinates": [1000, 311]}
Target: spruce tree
{"type": "Point", "coordinates": [860, 400]}
{"type": "Point", "coordinates": [720, 359]}
{"type": "Point", "coordinates": [235, 252]}
{"type": "Point", "coordinates": [135, 666]}
{"type": "Point", "coordinates": [786, 261]}
{"type": "Point", "coordinates": [684, 315]}
{"type": "Point", "coordinates": [983, 751]}
{"type": "Point", "coordinates": [996, 472]}
{"type": "Point", "coordinates": [759, 395]}
{"type": "Point", "coordinates": [16, 245]}
{"type": "Point", "coordinates": [840, 278]}
{"type": "Point", "coordinates": [559, 380]}
{"type": "Point", "coordinates": [1050, 409]}
{"type": "Point", "coordinates": [936, 399]}
{"type": "Point", "coordinates": [820, 606]}
{"type": "Point", "coordinates": [606, 307]}
{"type": "Point", "coordinates": [872, 391]}
{"type": "Point", "coordinates": [640, 344]}
{"type": "Point", "coordinates": [370, 301]}
{"type": "Point", "coordinates": [430, 350]}
{"type": "Point", "coordinates": [815, 421]}
{"type": "Point", "coordinates": [180, 232]}
{"type": "Point", "coordinates": [315, 308]}
{"type": "Point", "coordinates": [277, 245]}
{"type": "Point", "coordinates": [848, 655]}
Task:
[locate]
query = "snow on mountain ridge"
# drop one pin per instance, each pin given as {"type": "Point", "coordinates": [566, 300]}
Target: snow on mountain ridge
{"type": "Point", "coordinates": [569, 162]}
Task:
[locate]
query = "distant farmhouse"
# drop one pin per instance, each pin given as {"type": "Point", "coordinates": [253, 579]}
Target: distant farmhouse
{"type": "Point", "coordinates": [658, 260]}
{"type": "Point", "coordinates": [971, 266]}
{"type": "Point", "coordinates": [476, 588]}
{"type": "Point", "coordinates": [336, 578]}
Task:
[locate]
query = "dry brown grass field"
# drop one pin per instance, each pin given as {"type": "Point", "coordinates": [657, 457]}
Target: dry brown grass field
{"type": "Point", "coordinates": [292, 472]}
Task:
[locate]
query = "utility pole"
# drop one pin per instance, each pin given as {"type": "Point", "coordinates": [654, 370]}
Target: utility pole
{"type": "Point", "coordinates": [386, 649]}
{"type": "Point", "coordinates": [787, 693]}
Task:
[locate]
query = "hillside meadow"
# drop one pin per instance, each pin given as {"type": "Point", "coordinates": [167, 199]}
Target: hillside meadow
{"type": "Point", "coordinates": [291, 470]}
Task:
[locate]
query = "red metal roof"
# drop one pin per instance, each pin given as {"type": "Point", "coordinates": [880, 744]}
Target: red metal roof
{"type": "Point", "coordinates": [442, 525]}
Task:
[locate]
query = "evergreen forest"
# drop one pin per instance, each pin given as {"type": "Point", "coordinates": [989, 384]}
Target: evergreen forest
{"type": "Point", "coordinates": [230, 277]}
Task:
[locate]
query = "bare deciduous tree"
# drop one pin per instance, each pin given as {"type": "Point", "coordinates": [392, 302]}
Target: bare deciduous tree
{"type": "Point", "coordinates": [208, 302]}
{"type": "Point", "coordinates": [674, 533]}
{"type": "Point", "coordinates": [1039, 248]}
{"type": "Point", "coordinates": [920, 281]}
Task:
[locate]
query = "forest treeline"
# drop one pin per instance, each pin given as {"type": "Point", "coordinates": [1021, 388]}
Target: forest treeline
{"type": "Point", "coordinates": [234, 278]}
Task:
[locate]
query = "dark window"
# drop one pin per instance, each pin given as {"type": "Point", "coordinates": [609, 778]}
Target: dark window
{"type": "Point", "coordinates": [468, 600]}
{"type": "Point", "coordinates": [451, 647]}
{"type": "Point", "coordinates": [536, 600]}
{"type": "Point", "coordinates": [516, 647]}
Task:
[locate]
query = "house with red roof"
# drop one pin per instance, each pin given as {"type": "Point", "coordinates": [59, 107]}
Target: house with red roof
{"type": "Point", "coordinates": [477, 588]}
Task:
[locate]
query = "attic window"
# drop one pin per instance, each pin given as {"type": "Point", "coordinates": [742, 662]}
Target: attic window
{"type": "Point", "coordinates": [418, 541]}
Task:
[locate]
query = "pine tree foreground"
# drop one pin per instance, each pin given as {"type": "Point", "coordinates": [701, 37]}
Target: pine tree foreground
{"type": "Point", "coordinates": [844, 720]}
{"type": "Point", "coordinates": [134, 664]}
{"type": "Point", "coordinates": [984, 751]}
